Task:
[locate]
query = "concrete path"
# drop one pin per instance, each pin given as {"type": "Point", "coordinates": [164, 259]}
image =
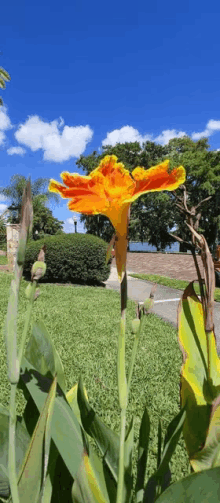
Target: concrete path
{"type": "Point", "coordinates": [139, 290]}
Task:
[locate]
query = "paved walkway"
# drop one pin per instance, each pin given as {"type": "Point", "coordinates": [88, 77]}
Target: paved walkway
{"type": "Point", "coordinates": [139, 290]}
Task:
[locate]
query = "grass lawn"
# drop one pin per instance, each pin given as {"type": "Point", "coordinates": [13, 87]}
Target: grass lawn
{"type": "Point", "coordinates": [179, 284]}
{"type": "Point", "coordinates": [83, 322]}
{"type": "Point", "coordinates": [3, 260]}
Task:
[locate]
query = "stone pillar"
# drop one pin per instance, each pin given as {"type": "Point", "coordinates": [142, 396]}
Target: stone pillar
{"type": "Point", "coordinates": [12, 244]}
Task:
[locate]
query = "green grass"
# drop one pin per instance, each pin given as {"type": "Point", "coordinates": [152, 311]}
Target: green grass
{"type": "Point", "coordinates": [3, 260]}
{"type": "Point", "coordinates": [83, 322]}
{"type": "Point", "coordinates": [178, 284]}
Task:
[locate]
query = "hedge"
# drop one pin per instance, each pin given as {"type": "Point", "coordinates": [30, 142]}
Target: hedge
{"type": "Point", "coordinates": [70, 258]}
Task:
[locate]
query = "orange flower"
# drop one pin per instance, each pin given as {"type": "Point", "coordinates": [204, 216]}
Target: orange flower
{"type": "Point", "coordinates": [110, 189]}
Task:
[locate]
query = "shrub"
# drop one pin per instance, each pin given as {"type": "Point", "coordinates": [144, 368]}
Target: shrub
{"type": "Point", "coordinates": [75, 258]}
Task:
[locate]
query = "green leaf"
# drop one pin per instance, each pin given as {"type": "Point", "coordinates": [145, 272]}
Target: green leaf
{"type": "Point", "coordinates": [106, 440]}
{"type": "Point", "coordinates": [144, 434]}
{"type": "Point", "coordinates": [58, 480]}
{"type": "Point", "coordinates": [161, 478]}
{"type": "Point", "coordinates": [66, 432]}
{"type": "Point", "coordinates": [22, 441]}
{"type": "Point", "coordinates": [200, 487]}
{"type": "Point", "coordinates": [2, 83]}
{"type": "Point", "coordinates": [42, 354]}
{"type": "Point", "coordinates": [159, 443]}
{"type": "Point", "coordinates": [89, 485]}
{"type": "Point", "coordinates": [171, 439]}
{"type": "Point", "coordinates": [5, 74]}
{"type": "Point", "coordinates": [196, 387]}
{"type": "Point", "coordinates": [30, 478]}
{"type": "Point", "coordinates": [71, 397]}
{"type": "Point", "coordinates": [209, 456]}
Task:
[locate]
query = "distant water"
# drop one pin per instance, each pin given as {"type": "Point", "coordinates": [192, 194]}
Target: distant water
{"type": "Point", "coordinates": [146, 247]}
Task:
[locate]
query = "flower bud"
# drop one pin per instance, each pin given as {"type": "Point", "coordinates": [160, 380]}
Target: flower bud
{"type": "Point", "coordinates": [28, 291]}
{"type": "Point", "coordinates": [135, 324]}
{"type": "Point", "coordinates": [38, 270]}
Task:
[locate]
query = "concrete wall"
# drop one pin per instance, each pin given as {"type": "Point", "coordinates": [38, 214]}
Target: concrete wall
{"type": "Point", "coordinates": [12, 244]}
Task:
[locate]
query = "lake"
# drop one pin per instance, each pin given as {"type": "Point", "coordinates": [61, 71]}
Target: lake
{"type": "Point", "coordinates": [146, 247]}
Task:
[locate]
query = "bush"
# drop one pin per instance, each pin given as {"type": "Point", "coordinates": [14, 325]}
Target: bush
{"type": "Point", "coordinates": [75, 258]}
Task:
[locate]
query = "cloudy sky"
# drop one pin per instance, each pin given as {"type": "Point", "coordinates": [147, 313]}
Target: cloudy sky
{"type": "Point", "coordinates": [87, 74]}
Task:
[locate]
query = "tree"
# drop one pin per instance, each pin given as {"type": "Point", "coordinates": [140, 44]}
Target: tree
{"type": "Point", "coordinates": [154, 215]}
{"type": "Point", "coordinates": [43, 218]}
{"type": "Point", "coordinates": [202, 180]}
{"type": "Point", "coordinates": [43, 221]}
{"type": "Point", "coordinates": [4, 77]}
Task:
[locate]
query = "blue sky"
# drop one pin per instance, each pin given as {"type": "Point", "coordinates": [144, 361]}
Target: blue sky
{"type": "Point", "coordinates": [85, 74]}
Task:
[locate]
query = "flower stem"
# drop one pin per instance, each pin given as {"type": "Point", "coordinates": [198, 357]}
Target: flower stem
{"type": "Point", "coordinates": [121, 458]}
{"type": "Point", "coordinates": [122, 387]}
{"type": "Point", "coordinates": [11, 450]}
{"type": "Point", "coordinates": [27, 322]}
{"type": "Point", "coordinates": [134, 353]}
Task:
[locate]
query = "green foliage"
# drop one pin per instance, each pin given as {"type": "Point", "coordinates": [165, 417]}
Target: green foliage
{"type": "Point", "coordinates": [197, 488]}
{"type": "Point", "coordinates": [153, 215]}
{"type": "Point", "coordinates": [202, 180]}
{"type": "Point", "coordinates": [4, 77]}
{"type": "Point", "coordinates": [44, 222]}
{"type": "Point", "coordinates": [3, 236]}
{"type": "Point", "coordinates": [76, 258]}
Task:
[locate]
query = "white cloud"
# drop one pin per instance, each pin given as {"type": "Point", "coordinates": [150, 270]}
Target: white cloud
{"type": "Point", "coordinates": [2, 137]}
{"type": "Point", "coordinates": [70, 227]}
{"type": "Point", "coordinates": [3, 198]}
{"type": "Point", "coordinates": [167, 135]}
{"type": "Point", "coordinates": [203, 134]}
{"type": "Point", "coordinates": [211, 127]}
{"type": "Point", "coordinates": [57, 146]}
{"type": "Point", "coordinates": [129, 134]}
{"type": "Point", "coordinates": [16, 151]}
{"type": "Point", "coordinates": [125, 134]}
{"type": "Point", "coordinates": [3, 207]}
{"type": "Point", "coordinates": [5, 122]}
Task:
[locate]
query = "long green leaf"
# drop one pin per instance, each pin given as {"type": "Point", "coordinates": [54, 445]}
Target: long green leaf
{"type": "Point", "coordinates": [209, 456]}
{"type": "Point", "coordinates": [143, 443]}
{"type": "Point", "coordinates": [30, 479]}
{"type": "Point", "coordinates": [172, 436]}
{"type": "Point", "coordinates": [22, 442]}
{"type": "Point", "coordinates": [200, 487]}
{"type": "Point", "coordinates": [65, 428]}
{"type": "Point", "coordinates": [198, 388]}
{"type": "Point", "coordinates": [161, 478]}
{"type": "Point", "coordinates": [42, 353]}
{"type": "Point", "coordinates": [106, 439]}
{"type": "Point", "coordinates": [89, 485]}
{"type": "Point", "coordinates": [58, 481]}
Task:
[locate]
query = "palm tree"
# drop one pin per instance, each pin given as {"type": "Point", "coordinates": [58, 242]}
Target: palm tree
{"type": "Point", "coordinates": [4, 77]}
{"type": "Point", "coordinates": [14, 192]}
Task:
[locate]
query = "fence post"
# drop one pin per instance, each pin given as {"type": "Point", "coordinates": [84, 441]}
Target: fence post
{"type": "Point", "coordinates": [12, 244]}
